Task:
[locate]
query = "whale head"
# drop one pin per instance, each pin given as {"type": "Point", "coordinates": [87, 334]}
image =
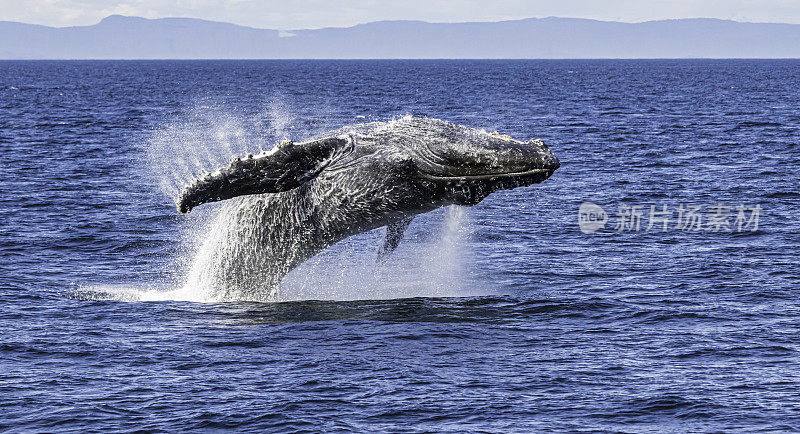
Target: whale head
{"type": "Point", "coordinates": [464, 165]}
{"type": "Point", "coordinates": [407, 166]}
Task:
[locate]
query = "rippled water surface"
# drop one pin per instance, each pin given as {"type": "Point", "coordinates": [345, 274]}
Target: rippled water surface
{"type": "Point", "coordinates": [500, 317]}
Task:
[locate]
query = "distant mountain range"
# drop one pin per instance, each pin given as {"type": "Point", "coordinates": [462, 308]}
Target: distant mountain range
{"type": "Point", "coordinates": [121, 37]}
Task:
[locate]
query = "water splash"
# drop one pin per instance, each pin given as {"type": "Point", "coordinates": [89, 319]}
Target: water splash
{"type": "Point", "coordinates": [280, 118]}
{"type": "Point", "coordinates": [204, 138]}
{"type": "Point", "coordinates": [435, 266]}
{"type": "Point", "coordinates": [434, 261]}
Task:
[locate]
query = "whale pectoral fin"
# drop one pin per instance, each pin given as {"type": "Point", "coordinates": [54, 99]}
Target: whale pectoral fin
{"type": "Point", "coordinates": [286, 167]}
{"type": "Point", "coordinates": [394, 234]}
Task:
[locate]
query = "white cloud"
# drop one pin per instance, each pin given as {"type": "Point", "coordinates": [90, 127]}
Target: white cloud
{"type": "Point", "coordinates": [317, 13]}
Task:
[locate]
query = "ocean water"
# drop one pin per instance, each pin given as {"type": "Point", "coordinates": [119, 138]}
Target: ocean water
{"type": "Point", "coordinates": [502, 317]}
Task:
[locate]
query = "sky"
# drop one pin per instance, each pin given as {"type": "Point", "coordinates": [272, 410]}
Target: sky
{"type": "Point", "coordinates": [301, 14]}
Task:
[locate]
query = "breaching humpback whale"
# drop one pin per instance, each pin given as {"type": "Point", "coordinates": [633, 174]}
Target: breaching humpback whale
{"type": "Point", "coordinates": [300, 198]}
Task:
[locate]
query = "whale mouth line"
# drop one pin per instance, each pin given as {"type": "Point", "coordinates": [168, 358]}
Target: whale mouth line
{"type": "Point", "coordinates": [488, 176]}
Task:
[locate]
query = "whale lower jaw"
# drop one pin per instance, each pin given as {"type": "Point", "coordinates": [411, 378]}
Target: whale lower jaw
{"type": "Point", "coordinates": [469, 190]}
{"type": "Point", "coordinates": [490, 176]}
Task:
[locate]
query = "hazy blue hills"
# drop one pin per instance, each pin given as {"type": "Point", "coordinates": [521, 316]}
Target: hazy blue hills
{"type": "Point", "coordinates": [119, 37]}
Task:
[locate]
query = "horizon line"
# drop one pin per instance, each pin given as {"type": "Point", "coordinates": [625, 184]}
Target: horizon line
{"type": "Point", "coordinates": [377, 59]}
{"type": "Point", "coordinates": [402, 20]}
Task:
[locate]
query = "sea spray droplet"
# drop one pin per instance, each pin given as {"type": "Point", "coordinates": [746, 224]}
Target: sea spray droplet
{"type": "Point", "coordinates": [446, 270]}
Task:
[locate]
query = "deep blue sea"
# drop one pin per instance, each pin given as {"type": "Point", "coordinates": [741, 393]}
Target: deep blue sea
{"type": "Point", "coordinates": [681, 313]}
